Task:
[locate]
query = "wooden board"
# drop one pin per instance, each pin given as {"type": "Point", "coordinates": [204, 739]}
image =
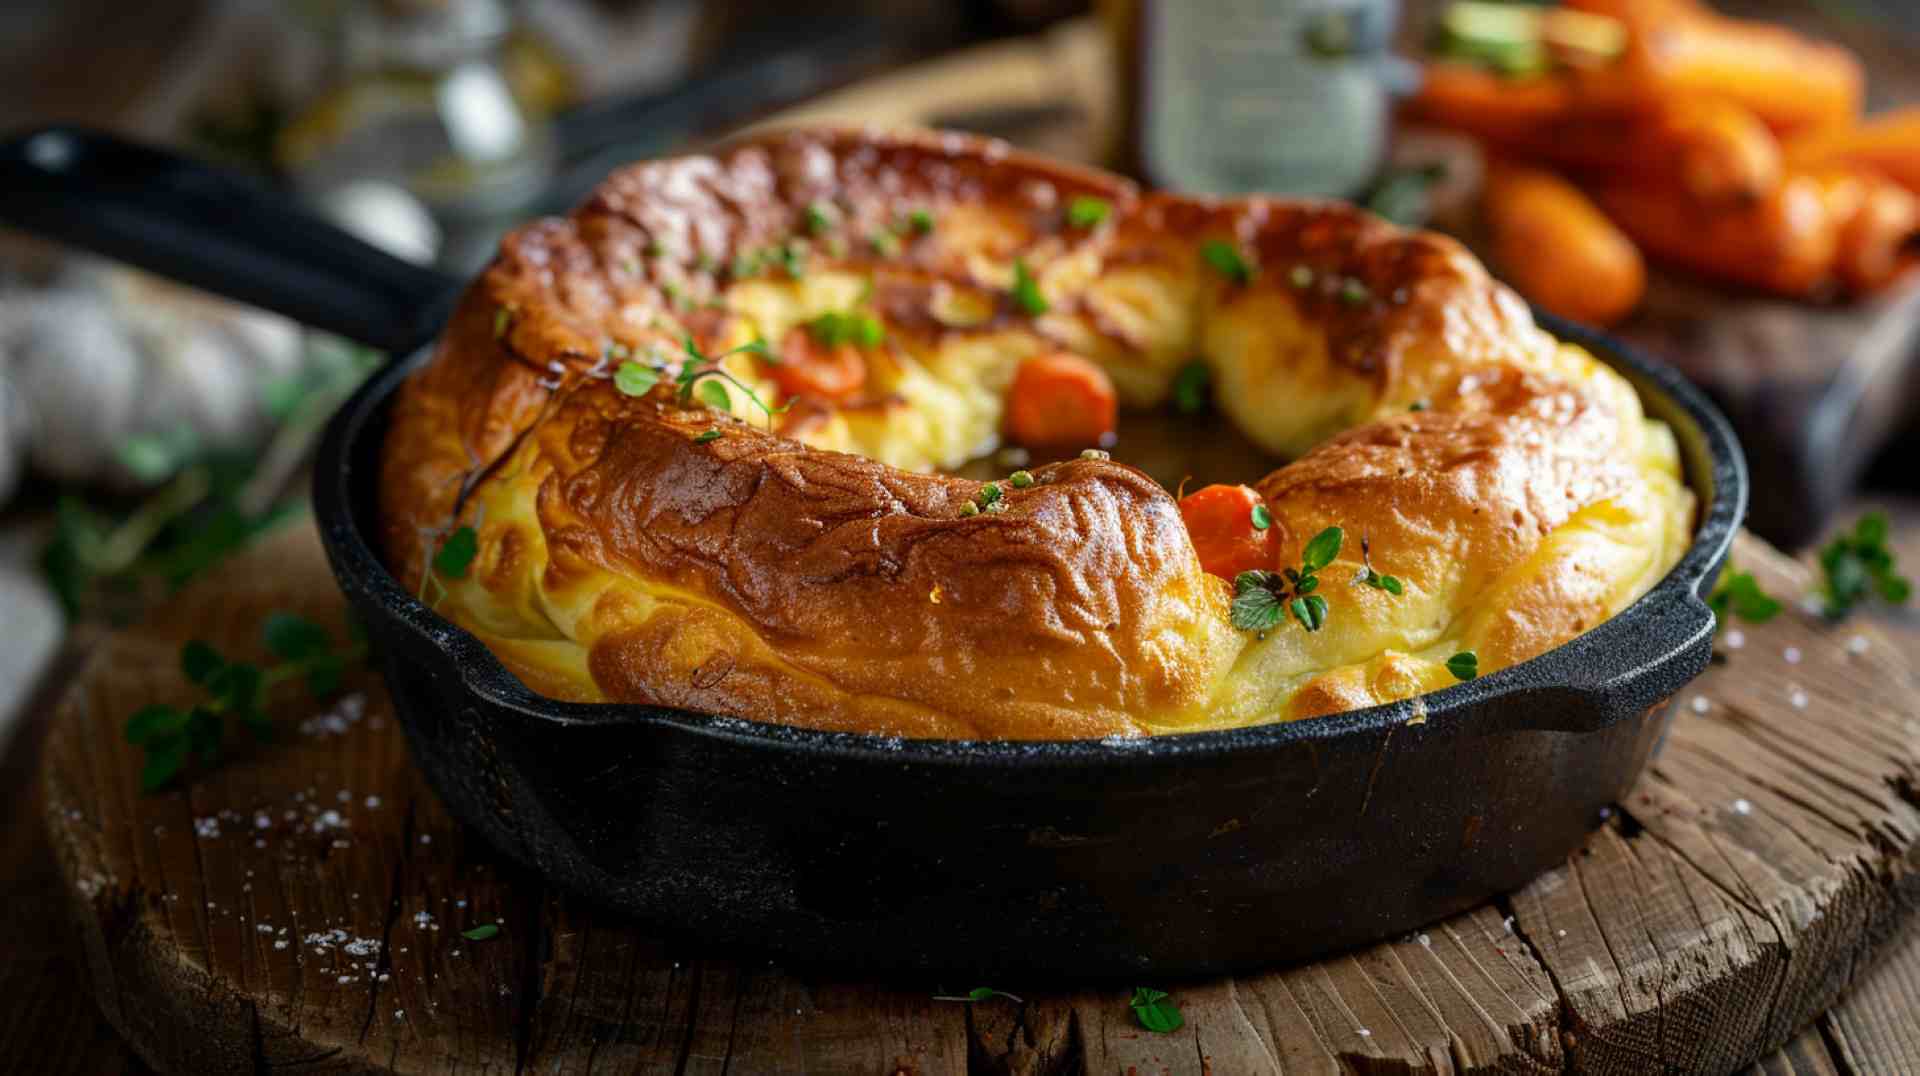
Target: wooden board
{"type": "Point", "coordinates": [302, 906]}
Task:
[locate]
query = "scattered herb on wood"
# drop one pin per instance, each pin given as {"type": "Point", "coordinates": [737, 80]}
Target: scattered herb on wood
{"type": "Point", "coordinates": [483, 932]}
{"type": "Point", "coordinates": [980, 993]}
{"type": "Point", "coordinates": [1155, 1010]}
{"type": "Point", "coordinates": [1859, 565]}
{"type": "Point", "coordinates": [1740, 594]}
{"type": "Point", "coordinates": [171, 737]}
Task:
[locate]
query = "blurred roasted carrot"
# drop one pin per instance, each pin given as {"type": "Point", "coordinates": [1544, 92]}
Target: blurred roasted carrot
{"type": "Point", "coordinates": [1879, 228]}
{"type": "Point", "coordinates": [1718, 149]}
{"type": "Point", "coordinates": [1061, 399]}
{"type": "Point", "coordinates": [1786, 242]}
{"type": "Point", "coordinates": [1888, 143]}
{"type": "Point", "coordinates": [1680, 49]}
{"type": "Point", "coordinates": [1486, 105]}
{"type": "Point", "coordinates": [1556, 246]}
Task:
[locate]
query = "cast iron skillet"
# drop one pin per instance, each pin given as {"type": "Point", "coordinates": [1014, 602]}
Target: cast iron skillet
{"type": "Point", "coordinates": [1090, 859]}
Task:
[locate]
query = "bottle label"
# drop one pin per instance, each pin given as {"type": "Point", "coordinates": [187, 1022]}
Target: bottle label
{"type": "Point", "coordinates": [1287, 96]}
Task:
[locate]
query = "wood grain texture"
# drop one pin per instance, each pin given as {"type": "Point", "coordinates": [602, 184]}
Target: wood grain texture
{"type": "Point", "coordinates": [301, 906]}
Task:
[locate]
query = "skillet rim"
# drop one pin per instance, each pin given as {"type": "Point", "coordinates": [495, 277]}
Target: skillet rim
{"type": "Point", "coordinates": [356, 567]}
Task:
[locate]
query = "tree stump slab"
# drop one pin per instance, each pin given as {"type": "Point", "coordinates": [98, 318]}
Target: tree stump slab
{"type": "Point", "coordinates": [302, 906]}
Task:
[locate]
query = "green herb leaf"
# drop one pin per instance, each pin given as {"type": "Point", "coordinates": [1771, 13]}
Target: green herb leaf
{"type": "Point", "coordinates": [1020, 479]}
{"type": "Point", "coordinates": [324, 673]}
{"type": "Point", "coordinates": [920, 221]}
{"type": "Point", "coordinates": [164, 761]}
{"type": "Point", "coordinates": [1226, 259]}
{"type": "Point", "coordinates": [714, 394]}
{"type": "Point", "coordinates": [457, 553]}
{"type": "Point", "coordinates": [709, 435]}
{"type": "Point", "coordinates": [1464, 666]}
{"type": "Point", "coordinates": [1859, 565]}
{"type": "Point", "coordinates": [1088, 211]}
{"type": "Point", "coordinates": [1740, 594]}
{"type": "Point", "coordinates": [154, 723]}
{"type": "Point", "coordinates": [199, 661]}
{"type": "Point", "coordinates": [204, 733]}
{"type": "Point", "coordinates": [1255, 608]}
{"type": "Point", "coordinates": [1155, 1011]}
{"type": "Point", "coordinates": [502, 321]}
{"type": "Point", "coordinates": [988, 496]}
{"type": "Point", "coordinates": [635, 379]}
{"type": "Point", "coordinates": [1310, 611]}
{"type": "Point", "coordinates": [834, 328]}
{"type": "Point", "coordinates": [820, 218]}
{"type": "Point", "coordinates": [1262, 518]}
{"type": "Point", "coordinates": [1391, 585]}
{"type": "Point", "coordinates": [885, 244]}
{"type": "Point", "coordinates": [1324, 547]}
{"type": "Point", "coordinates": [1190, 388]}
{"type": "Point", "coordinates": [1353, 292]}
{"type": "Point", "coordinates": [1301, 276]}
{"type": "Point", "coordinates": [294, 637]}
{"type": "Point", "coordinates": [1026, 290]}
{"type": "Point", "coordinates": [482, 932]}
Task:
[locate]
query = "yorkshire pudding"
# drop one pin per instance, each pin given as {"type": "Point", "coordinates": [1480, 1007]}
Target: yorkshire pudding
{"type": "Point", "coordinates": [562, 480]}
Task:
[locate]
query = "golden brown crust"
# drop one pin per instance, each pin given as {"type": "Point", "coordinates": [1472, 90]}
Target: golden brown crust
{"type": "Point", "coordinates": [758, 576]}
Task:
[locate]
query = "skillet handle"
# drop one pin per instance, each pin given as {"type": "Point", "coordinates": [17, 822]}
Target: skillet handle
{"type": "Point", "coordinates": [1605, 677]}
{"type": "Point", "coordinates": [218, 230]}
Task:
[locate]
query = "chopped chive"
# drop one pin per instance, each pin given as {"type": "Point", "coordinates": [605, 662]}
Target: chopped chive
{"type": "Point", "coordinates": [1088, 211]}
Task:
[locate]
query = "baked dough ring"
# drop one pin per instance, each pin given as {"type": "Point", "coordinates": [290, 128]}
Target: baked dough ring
{"type": "Point", "coordinates": [814, 577]}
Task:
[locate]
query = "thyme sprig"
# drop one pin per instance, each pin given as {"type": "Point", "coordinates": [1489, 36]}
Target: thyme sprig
{"type": "Point", "coordinates": [171, 736]}
{"type": "Point", "coordinates": [1262, 600]}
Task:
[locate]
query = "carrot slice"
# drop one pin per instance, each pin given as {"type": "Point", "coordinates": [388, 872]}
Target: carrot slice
{"type": "Point", "coordinates": [1061, 399]}
{"type": "Point", "coordinates": [1226, 531]}
{"type": "Point", "coordinates": [808, 367]}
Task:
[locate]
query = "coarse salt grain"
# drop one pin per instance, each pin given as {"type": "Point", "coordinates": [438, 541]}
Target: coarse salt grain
{"type": "Point", "coordinates": [1741, 806]}
{"type": "Point", "coordinates": [372, 802]}
{"type": "Point", "coordinates": [1365, 1034]}
{"type": "Point", "coordinates": [1701, 705]}
{"type": "Point", "coordinates": [1798, 698]}
{"type": "Point", "coordinates": [1735, 639]}
{"type": "Point", "coordinates": [280, 943]}
{"type": "Point", "coordinates": [1857, 645]}
{"type": "Point", "coordinates": [1792, 654]}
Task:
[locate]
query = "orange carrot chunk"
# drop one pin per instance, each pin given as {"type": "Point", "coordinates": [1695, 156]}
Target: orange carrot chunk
{"type": "Point", "coordinates": [1061, 399]}
{"type": "Point", "coordinates": [809, 367]}
{"type": "Point", "coordinates": [1231, 530]}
